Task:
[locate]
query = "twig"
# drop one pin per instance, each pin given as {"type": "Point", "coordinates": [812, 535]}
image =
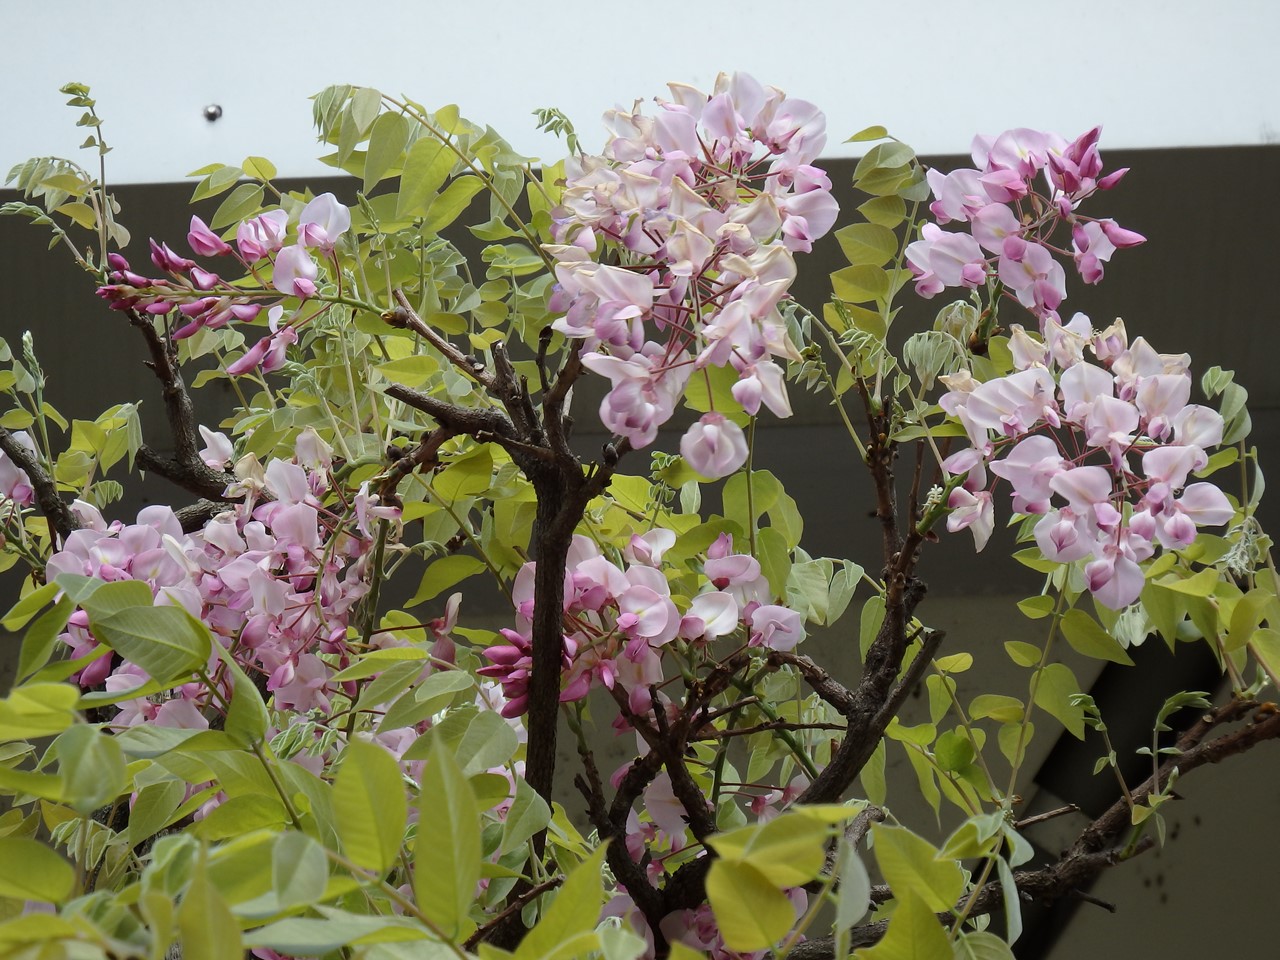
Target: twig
{"type": "Point", "coordinates": [513, 907]}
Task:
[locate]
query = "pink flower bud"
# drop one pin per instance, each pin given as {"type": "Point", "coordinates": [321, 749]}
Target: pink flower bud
{"type": "Point", "coordinates": [204, 241]}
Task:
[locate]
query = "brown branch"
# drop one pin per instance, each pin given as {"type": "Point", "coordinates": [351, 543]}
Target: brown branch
{"type": "Point", "coordinates": [451, 416]}
{"type": "Point", "coordinates": [196, 515]}
{"type": "Point", "coordinates": [1098, 846]}
{"type": "Point", "coordinates": [626, 870]}
{"type": "Point", "coordinates": [184, 468]}
{"type": "Point", "coordinates": [425, 455]}
{"type": "Point", "coordinates": [55, 509]}
{"type": "Point", "coordinates": [515, 906]}
{"type": "Point", "coordinates": [764, 727]}
{"type": "Point", "coordinates": [834, 693]}
{"type": "Point", "coordinates": [404, 317]}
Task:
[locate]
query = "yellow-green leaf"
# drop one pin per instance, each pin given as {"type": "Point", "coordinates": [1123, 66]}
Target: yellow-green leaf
{"type": "Point", "coordinates": [911, 863]}
{"type": "Point", "coordinates": [751, 912]}
{"type": "Point", "coordinates": [369, 806]}
{"type": "Point", "coordinates": [446, 854]}
{"type": "Point", "coordinates": [32, 871]}
{"type": "Point", "coordinates": [1087, 637]}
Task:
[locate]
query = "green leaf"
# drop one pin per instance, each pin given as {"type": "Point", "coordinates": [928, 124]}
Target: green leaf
{"type": "Point", "coordinates": [997, 707]}
{"type": "Point", "coordinates": [37, 710]}
{"type": "Point", "coordinates": [1249, 612]}
{"type": "Point", "coordinates": [247, 715]}
{"type": "Point", "coordinates": [914, 934]}
{"type": "Point", "coordinates": [446, 852]}
{"type": "Point", "coordinates": [528, 815]}
{"type": "Point", "coordinates": [387, 141]}
{"type": "Point", "coordinates": [299, 868]}
{"type": "Point", "coordinates": [953, 751]}
{"type": "Point", "coordinates": [260, 168]}
{"type": "Point", "coordinates": [369, 806]}
{"type": "Point", "coordinates": [29, 606]}
{"type": "Point", "coordinates": [365, 103]}
{"type": "Point", "coordinates": [39, 642]}
{"type": "Point", "coordinates": [911, 864]}
{"type": "Point", "coordinates": [447, 207]}
{"type": "Point", "coordinates": [104, 599]}
{"type": "Point", "coordinates": [788, 850]}
{"type": "Point", "coordinates": [1022, 653]}
{"type": "Point", "coordinates": [886, 211]}
{"type": "Point", "coordinates": [1201, 584]}
{"type": "Point", "coordinates": [154, 809]}
{"type": "Point", "coordinates": [244, 201]}
{"type": "Point", "coordinates": [574, 911]}
{"type": "Point", "coordinates": [425, 170]}
{"type": "Point", "coordinates": [1053, 695]}
{"type": "Point", "coordinates": [206, 925]}
{"type": "Point", "coordinates": [488, 741]}
{"type": "Point", "coordinates": [426, 699]}
{"type": "Point", "coordinates": [871, 619]}
{"type": "Point", "coordinates": [317, 937]}
{"type": "Point", "coordinates": [166, 642]}
{"type": "Point", "coordinates": [853, 898]}
{"type": "Point", "coordinates": [92, 768]}
{"type": "Point", "coordinates": [1087, 637]}
{"type": "Point", "coordinates": [860, 284]}
{"type": "Point", "coordinates": [81, 213]}
{"type": "Point", "coordinates": [867, 244]}
{"type": "Point", "coordinates": [444, 573]}
{"type": "Point", "coordinates": [1035, 608]}
{"type": "Point", "coordinates": [466, 476]}
{"type": "Point", "coordinates": [31, 871]}
{"type": "Point", "coordinates": [981, 945]}
{"type": "Point", "coordinates": [876, 132]}
{"type": "Point", "coordinates": [750, 911]}
{"type": "Point", "coordinates": [379, 660]}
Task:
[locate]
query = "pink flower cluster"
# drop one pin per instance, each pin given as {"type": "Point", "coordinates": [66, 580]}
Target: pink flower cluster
{"type": "Point", "coordinates": [275, 580]}
{"type": "Point", "coordinates": [1099, 449]}
{"type": "Point", "coordinates": [205, 300]}
{"type": "Point", "coordinates": [15, 485]}
{"type": "Point", "coordinates": [701, 207]}
{"type": "Point", "coordinates": [1012, 223]}
{"type": "Point", "coordinates": [619, 621]}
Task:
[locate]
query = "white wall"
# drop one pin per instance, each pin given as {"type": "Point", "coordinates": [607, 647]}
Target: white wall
{"type": "Point", "coordinates": [1155, 72]}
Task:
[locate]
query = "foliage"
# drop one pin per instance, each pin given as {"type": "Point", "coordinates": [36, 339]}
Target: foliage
{"type": "Point", "coordinates": [225, 734]}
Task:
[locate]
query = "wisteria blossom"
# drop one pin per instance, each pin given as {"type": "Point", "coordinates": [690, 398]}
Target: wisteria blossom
{"type": "Point", "coordinates": [1024, 186]}
{"type": "Point", "coordinates": [623, 619]}
{"type": "Point", "coordinates": [705, 203]}
{"type": "Point", "coordinates": [203, 300]}
{"type": "Point", "coordinates": [1100, 451]}
{"type": "Point", "coordinates": [275, 578]}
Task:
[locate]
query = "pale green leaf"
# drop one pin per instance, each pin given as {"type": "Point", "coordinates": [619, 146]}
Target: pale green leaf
{"type": "Point", "coordinates": [370, 807]}
{"type": "Point", "coordinates": [1087, 637]}
{"type": "Point", "coordinates": [31, 871]}
{"type": "Point", "coordinates": [574, 911]}
{"type": "Point", "coordinates": [751, 912]}
{"type": "Point", "coordinates": [446, 854]}
{"type": "Point", "coordinates": [911, 864]}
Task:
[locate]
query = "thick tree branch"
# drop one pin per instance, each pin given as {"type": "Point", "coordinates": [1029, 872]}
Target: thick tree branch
{"type": "Point", "coordinates": [184, 468]}
{"type": "Point", "coordinates": [55, 509]}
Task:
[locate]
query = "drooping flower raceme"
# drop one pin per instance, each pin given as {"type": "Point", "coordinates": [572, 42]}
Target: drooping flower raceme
{"type": "Point", "coordinates": [1024, 186]}
{"type": "Point", "coordinates": [702, 206]}
{"type": "Point", "coordinates": [275, 580]}
{"type": "Point", "coordinates": [620, 621]}
{"type": "Point", "coordinates": [202, 299]}
{"type": "Point", "coordinates": [1100, 448]}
